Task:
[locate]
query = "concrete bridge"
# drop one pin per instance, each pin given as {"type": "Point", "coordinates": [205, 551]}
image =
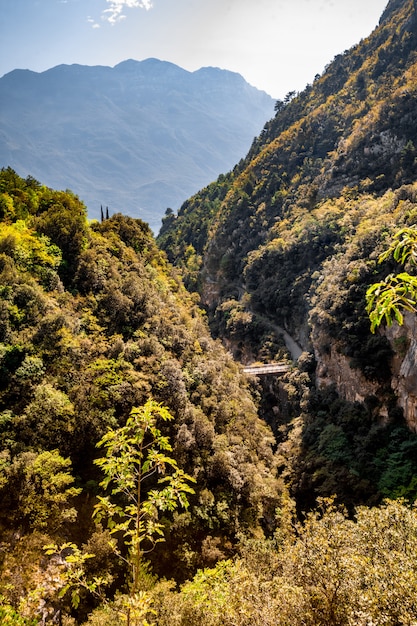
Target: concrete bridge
{"type": "Point", "coordinates": [262, 370]}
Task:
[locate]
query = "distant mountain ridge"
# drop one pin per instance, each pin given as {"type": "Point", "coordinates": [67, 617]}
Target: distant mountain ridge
{"type": "Point", "coordinates": [139, 137]}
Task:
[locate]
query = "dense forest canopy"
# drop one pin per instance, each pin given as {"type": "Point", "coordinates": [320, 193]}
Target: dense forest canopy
{"type": "Point", "coordinates": [94, 325]}
{"type": "Point", "coordinates": [94, 322]}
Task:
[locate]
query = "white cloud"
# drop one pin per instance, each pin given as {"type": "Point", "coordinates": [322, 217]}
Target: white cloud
{"type": "Point", "coordinates": [93, 22]}
{"type": "Point", "coordinates": [115, 12]}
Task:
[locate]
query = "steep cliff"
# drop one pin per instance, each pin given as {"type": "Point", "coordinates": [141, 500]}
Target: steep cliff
{"type": "Point", "coordinates": [404, 366]}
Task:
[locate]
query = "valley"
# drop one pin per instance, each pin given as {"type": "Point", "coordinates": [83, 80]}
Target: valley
{"type": "Point", "coordinates": [150, 473]}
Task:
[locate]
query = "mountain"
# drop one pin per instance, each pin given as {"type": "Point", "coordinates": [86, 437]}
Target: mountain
{"type": "Point", "coordinates": [138, 138]}
{"type": "Point", "coordinates": [288, 243]}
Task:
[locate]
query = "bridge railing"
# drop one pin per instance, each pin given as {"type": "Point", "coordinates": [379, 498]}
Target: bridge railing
{"type": "Point", "coordinates": [273, 368]}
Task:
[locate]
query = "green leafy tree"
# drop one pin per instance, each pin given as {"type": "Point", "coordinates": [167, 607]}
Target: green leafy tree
{"type": "Point", "coordinates": [135, 453]}
{"type": "Point", "coordinates": [37, 490]}
{"type": "Point", "coordinates": [388, 299]}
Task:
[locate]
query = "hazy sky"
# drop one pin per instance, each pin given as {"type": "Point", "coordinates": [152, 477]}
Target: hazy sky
{"type": "Point", "coordinates": [277, 45]}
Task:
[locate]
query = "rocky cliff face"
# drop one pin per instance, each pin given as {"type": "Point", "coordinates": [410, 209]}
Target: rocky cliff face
{"type": "Point", "coordinates": [404, 366]}
{"type": "Point", "coordinates": [334, 368]}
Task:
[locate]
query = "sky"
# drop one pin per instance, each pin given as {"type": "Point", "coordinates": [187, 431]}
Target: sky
{"type": "Point", "coordinates": [276, 45]}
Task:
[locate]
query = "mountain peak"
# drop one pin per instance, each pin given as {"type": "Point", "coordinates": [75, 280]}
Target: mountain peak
{"type": "Point", "coordinates": [149, 63]}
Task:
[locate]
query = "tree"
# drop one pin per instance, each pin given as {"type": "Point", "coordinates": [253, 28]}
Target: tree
{"type": "Point", "coordinates": [290, 96]}
{"type": "Point", "coordinates": [279, 105]}
{"type": "Point", "coordinates": [37, 491]}
{"type": "Point", "coordinates": [135, 453]}
{"type": "Point", "coordinates": [397, 293]}
{"type": "Point", "coordinates": [62, 217]}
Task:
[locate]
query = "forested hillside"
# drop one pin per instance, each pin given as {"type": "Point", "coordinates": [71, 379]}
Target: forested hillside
{"type": "Point", "coordinates": [94, 322]}
{"type": "Point", "coordinates": [291, 238]}
{"type": "Point", "coordinates": [290, 241]}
